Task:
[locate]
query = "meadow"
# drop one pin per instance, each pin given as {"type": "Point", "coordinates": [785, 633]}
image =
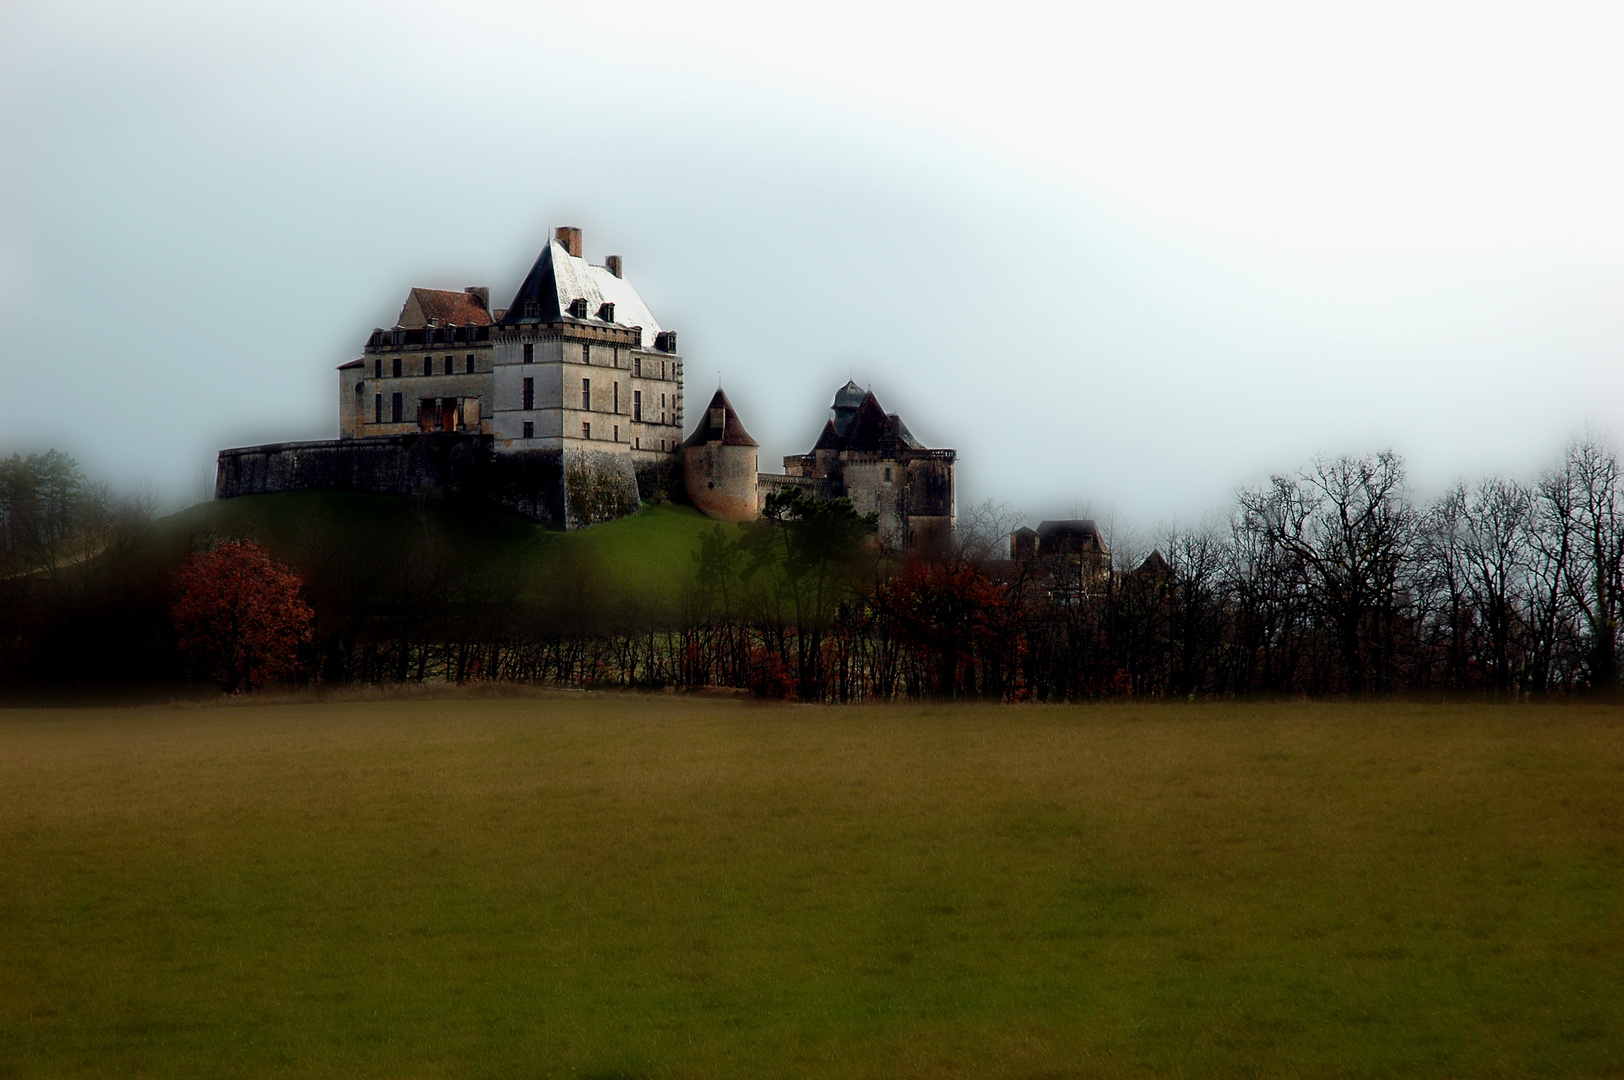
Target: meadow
{"type": "Point", "coordinates": [578, 885]}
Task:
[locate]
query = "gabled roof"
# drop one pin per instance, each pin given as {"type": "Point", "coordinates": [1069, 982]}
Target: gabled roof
{"type": "Point", "coordinates": [352, 364]}
{"type": "Point", "coordinates": [559, 278]}
{"type": "Point", "coordinates": [444, 307]}
{"type": "Point", "coordinates": [730, 432]}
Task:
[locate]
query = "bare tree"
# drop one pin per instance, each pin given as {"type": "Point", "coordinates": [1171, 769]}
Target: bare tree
{"type": "Point", "coordinates": [1347, 528]}
{"type": "Point", "coordinates": [1594, 570]}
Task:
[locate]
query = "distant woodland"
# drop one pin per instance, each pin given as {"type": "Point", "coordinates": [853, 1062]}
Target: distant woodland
{"type": "Point", "coordinates": [1330, 580]}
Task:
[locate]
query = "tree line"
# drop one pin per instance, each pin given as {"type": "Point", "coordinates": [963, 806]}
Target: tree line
{"type": "Point", "coordinates": [1333, 579]}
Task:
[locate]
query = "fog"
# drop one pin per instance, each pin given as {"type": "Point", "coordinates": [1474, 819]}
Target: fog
{"type": "Point", "coordinates": [1123, 261]}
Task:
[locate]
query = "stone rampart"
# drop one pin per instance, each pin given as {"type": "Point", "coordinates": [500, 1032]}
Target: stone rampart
{"type": "Point", "coordinates": [539, 484]}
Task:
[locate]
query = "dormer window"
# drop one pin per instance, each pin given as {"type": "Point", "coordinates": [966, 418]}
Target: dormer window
{"type": "Point", "coordinates": [578, 308]}
{"type": "Point", "coordinates": [606, 312]}
{"type": "Point", "coordinates": [532, 309]}
{"type": "Point", "coordinates": [719, 418]}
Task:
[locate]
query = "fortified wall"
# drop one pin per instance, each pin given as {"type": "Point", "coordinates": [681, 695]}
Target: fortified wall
{"type": "Point", "coordinates": [565, 489]}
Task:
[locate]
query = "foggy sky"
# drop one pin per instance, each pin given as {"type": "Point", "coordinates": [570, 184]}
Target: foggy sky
{"type": "Point", "coordinates": [1124, 261]}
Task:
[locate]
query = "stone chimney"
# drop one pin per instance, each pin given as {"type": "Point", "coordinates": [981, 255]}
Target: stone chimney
{"type": "Point", "coordinates": [611, 263]}
{"type": "Point", "coordinates": [570, 237]}
{"type": "Point", "coordinates": [484, 294]}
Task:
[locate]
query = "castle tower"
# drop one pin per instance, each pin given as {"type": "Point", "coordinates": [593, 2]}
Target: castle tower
{"type": "Point", "coordinates": [719, 463]}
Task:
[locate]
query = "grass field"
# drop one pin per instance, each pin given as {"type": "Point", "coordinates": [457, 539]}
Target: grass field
{"type": "Point", "coordinates": [602, 886]}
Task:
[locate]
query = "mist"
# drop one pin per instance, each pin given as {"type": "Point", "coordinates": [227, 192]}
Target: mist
{"type": "Point", "coordinates": [1119, 260]}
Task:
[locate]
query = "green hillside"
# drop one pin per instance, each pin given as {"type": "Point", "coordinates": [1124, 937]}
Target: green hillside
{"type": "Point", "coordinates": [646, 555]}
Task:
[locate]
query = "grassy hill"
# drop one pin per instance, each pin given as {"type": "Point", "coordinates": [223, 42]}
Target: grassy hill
{"type": "Point", "coordinates": [648, 554]}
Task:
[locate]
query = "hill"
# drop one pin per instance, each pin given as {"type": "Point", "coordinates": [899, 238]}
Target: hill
{"type": "Point", "coordinates": [646, 555]}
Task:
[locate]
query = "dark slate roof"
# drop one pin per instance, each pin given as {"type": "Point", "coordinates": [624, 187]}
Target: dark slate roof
{"type": "Point", "coordinates": [847, 401]}
{"type": "Point", "coordinates": [731, 433]}
{"type": "Point", "coordinates": [849, 396]}
{"type": "Point", "coordinates": [829, 440]}
{"type": "Point", "coordinates": [558, 278]}
{"type": "Point", "coordinates": [900, 432]}
{"type": "Point", "coordinates": [1075, 537]}
{"type": "Point", "coordinates": [1154, 565]}
{"type": "Point", "coordinates": [870, 428]}
{"type": "Point", "coordinates": [443, 307]}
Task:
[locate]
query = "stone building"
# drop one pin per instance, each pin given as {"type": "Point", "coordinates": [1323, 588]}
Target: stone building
{"type": "Point", "coordinates": [567, 406]}
{"type": "Point", "coordinates": [863, 453]}
{"type": "Point", "coordinates": [571, 397]}
{"type": "Point", "coordinates": [719, 464]}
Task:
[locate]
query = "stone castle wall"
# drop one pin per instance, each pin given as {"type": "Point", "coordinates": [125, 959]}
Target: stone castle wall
{"type": "Point", "coordinates": [566, 490]}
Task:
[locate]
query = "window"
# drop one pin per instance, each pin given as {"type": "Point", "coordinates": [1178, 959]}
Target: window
{"type": "Point", "coordinates": [662, 401]}
{"type": "Point", "coordinates": [637, 405]}
{"type": "Point", "coordinates": [395, 368]}
{"type": "Point", "coordinates": [662, 369]}
{"type": "Point", "coordinates": [606, 312]}
{"type": "Point", "coordinates": [586, 394]}
{"type": "Point", "coordinates": [617, 398]}
{"type": "Point", "coordinates": [637, 366]}
{"type": "Point", "coordinates": [530, 393]}
{"type": "Point", "coordinates": [529, 353]}
{"type": "Point", "coordinates": [586, 430]}
{"type": "Point", "coordinates": [662, 444]}
{"type": "Point", "coordinates": [578, 308]}
{"type": "Point", "coordinates": [470, 363]}
{"type": "Point", "coordinates": [428, 365]}
{"type": "Point", "coordinates": [637, 444]}
{"type": "Point", "coordinates": [617, 433]}
{"type": "Point", "coordinates": [377, 408]}
{"type": "Point", "coordinates": [377, 367]}
{"type": "Point", "coordinates": [888, 476]}
{"type": "Point", "coordinates": [586, 354]}
{"type": "Point", "coordinates": [529, 429]}
{"type": "Point", "coordinates": [448, 365]}
{"type": "Point", "coordinates": [532, 309]}
{"type": "Point", "coordinates": [395, 408]}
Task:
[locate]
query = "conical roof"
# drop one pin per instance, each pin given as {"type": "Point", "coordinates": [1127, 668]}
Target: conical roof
{"type": "Point", "coordinates": [719, 423]}
{"type": "Point", "coordinates": [829, 440]}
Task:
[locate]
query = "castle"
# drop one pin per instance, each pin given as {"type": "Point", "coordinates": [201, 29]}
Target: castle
{"type": "Point", "coordinates": [567, 407]}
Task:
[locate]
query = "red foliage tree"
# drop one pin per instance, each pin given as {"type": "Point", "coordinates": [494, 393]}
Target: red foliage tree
{"type": "Point", "coordinates": [239, 617]}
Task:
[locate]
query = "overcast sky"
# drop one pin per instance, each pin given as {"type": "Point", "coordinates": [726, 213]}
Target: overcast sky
{"type": "Point", "coordinates": [1124, 257]}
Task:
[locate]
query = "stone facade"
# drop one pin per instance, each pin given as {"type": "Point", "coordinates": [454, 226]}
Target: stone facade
{"type": "Point", "coordinates": [864, 454]}
{"type": "Point", "coordinates": [574, 377]}
{"type": "Point", "coordinates": [719, 464]}
{"type": "Point", "coordinates": [567, 407]}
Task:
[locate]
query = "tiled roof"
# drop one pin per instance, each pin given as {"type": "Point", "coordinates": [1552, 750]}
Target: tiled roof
{"type": "Point", "coordinates": [442, 307]}
{"type": "Point", "coordinates": [729, 433]}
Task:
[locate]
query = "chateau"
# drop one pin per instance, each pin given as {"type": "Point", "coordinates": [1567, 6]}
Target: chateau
{"type": "Point", "coordinates": [567, 406]}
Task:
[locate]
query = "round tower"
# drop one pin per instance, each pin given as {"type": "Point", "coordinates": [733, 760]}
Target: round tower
{"type": "Point", "coordinates": [719, 464]}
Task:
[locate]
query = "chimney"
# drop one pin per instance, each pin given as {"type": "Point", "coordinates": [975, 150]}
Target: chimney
{"type": "Point", "coordinates": [570, 237]}
{"type": "Point", "coordinates": [611, 263]}
{"type": "Point", "coordinates": [484, 294]}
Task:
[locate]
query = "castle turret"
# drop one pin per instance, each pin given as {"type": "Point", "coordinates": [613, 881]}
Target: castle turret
{"type": "Point", "coordinates": [719, 463]}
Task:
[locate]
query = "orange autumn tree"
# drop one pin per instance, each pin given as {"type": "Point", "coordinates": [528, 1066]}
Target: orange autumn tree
{"type": "Point", "coordinates": [239, 616]}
